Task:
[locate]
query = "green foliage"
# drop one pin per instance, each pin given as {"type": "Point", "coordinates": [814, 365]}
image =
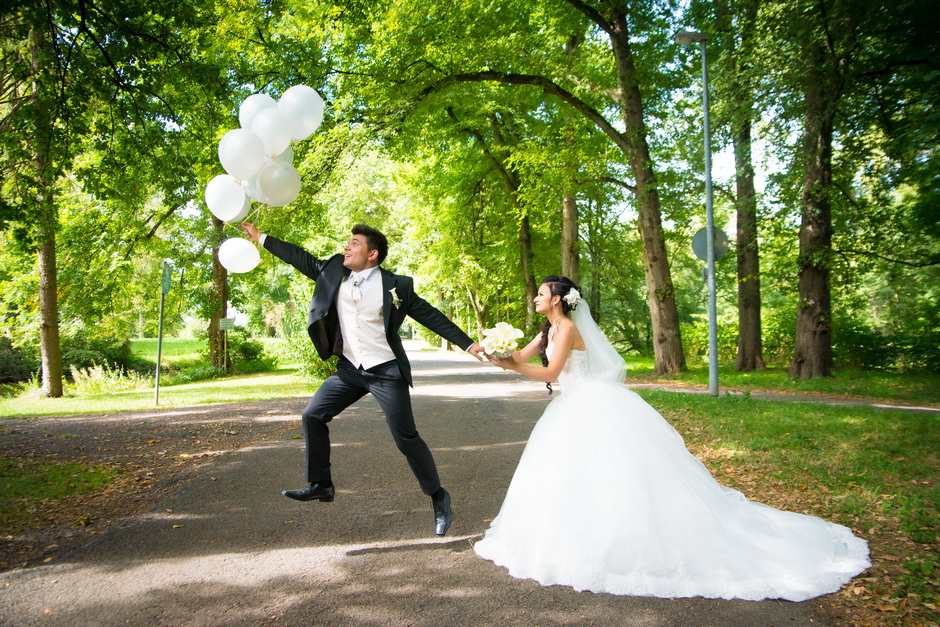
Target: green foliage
{"type": "Point", "coordinates": [189, 372]}
{"type": "Point", "coordinates": [16, 363]}
{"type": "Point", "coordinates": [247, 354]}
{"type": "Point", "coordinates": [102, 379]}
{"type": "Point", "coordinates": [82, 352]}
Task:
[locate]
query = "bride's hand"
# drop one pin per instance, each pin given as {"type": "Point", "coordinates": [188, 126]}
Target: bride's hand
{"type": "Point", "coordinates": [505, 363]}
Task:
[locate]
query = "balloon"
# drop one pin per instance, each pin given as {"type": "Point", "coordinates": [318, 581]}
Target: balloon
{"type": "Point", "coordinates": [286, 157]}
{"type": "Point", "coordinates": [226, 198]}
{"type": "Point", "coordinates": [251, 106]}
{"type": "Point", "coordinates": [278, 183]}
{"type": "Point", "coordinates": [241, 153]}
{"type": "Point", "coordinates": [238, 255]}
{"type": "Point", "coordinates": [304, 108]}
{"type": "Point", "coordinates": [245, 210]}
{"type": "Point", "coordinates": [274, 129]}
{"type": "Point", "coordinates": [252, 190]}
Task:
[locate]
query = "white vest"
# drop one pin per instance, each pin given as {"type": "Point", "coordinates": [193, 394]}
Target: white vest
{"type": "Point", "coordinates": [361, 322]}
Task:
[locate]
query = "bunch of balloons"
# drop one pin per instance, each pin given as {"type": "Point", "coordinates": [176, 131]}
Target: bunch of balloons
{"type": "Point", "coordinates": [257, 158]}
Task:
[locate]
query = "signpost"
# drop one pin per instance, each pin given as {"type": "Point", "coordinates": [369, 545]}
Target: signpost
{"type": "Point", "coordinates": [226, 325]}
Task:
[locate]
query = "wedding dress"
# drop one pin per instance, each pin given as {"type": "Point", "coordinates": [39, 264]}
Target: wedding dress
{"type": "Point", "coordinates": [607, 498]}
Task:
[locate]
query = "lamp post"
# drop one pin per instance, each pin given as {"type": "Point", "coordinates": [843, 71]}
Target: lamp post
{"type": "Point", "coordinates": [688, 38]}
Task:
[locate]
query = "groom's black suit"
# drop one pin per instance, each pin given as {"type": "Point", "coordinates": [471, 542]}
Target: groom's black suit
{"type": "Point", "coordinates": [387, 382]}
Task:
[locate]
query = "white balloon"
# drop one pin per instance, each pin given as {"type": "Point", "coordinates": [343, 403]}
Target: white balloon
{"type": "Point", "coordinates": [251, 106]}
{"type": "Point", "coordinates": [245, 210]}
{"type": "Point", "coordinates": [278, 183]}
{"type": "Point", "coordinates": [286, 157]}
{"type": "Point", "coordinates": [274, 129]}
{"type": "Point", "coordinates": [241, 153]}
{"type": "Point", "coordinates": [303, 106]}
{"type": "Point", "coordinates": [252, 190]}
{"type": "Point", "coordinates": [225, 198]}
{"type": "Point", "coordinates": [238, 255]}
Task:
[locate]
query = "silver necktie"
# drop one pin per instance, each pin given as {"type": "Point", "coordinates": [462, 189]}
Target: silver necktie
{"type": "Point", "coordinates": [356, 292]}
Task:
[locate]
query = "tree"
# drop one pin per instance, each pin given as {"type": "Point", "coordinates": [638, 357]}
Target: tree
{"type": "Point", "coordinates": [81, 76]}
{"type": "Point", "coordinates": [735, 25]}
{"type": "Point", "coordinates": [413, 66]}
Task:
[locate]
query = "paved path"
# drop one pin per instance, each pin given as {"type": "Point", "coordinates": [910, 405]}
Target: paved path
{"type": "Point", "coordinates": [228, 549]}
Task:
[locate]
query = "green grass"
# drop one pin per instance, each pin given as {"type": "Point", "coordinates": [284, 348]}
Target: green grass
{"type": "Point", "coordinates": [278, 384]}
{"type": "Point", "coordinates": [897, 386]}
{"type": "Point", "coordinates": [173, 349]}
{"type": "Point", "coordinates": [24, 483]}
{"type": "Point", "coordinates": [873, 470]}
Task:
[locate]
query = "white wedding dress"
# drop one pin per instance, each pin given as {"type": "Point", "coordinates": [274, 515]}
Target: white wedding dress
{"type": "Point", "coordinates": [607, 498]}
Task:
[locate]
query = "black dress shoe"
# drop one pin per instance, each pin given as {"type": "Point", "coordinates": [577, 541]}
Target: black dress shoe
{"type": "Point", "coordinates": [313, 492]}
{"type": "Point", "coordinates": [443, 515]}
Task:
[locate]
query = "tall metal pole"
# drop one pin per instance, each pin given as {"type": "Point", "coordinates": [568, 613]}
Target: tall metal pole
{"type": "Point", "coordinates": [688, 38]}
{"type": "Point", "coordinates": [164, 288]}
{"type": "Point", "coordinates": [156, 387]}
{"type": "Point", "coordinates": [710, 239]}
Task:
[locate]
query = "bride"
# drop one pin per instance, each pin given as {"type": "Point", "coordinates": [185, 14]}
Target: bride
{"type": "Point", "coordinates": [607, 498]}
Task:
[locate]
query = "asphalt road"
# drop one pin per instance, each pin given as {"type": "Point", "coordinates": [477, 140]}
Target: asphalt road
{"type": "Point", "coordinates": [228, 549]}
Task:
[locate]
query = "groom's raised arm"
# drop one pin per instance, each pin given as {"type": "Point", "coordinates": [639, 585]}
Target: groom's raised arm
{"type": "Point", "coordinates": [290, 253]}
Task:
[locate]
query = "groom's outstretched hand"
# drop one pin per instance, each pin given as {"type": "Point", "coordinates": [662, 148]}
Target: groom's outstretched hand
{"type": "Point", "coordinates": [476, 350]}
{"type": "Point", "coordinates": [250, 231]}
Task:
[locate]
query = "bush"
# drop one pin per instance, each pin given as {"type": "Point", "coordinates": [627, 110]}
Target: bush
{"type": "Point", "coordinates": [16, 364]}
{"type": "Point", "coordinates": [81, 352]}
{"type": "Point", "coordinates": [190, 373]}
{"type": "Point", "coordinates": [695, 339]}
{"type": "Point", "coordinates": [247, 354]}
{"type": "Point", "coordinates": [298, 349]}
{"type": "Point", "coordinates": [102, 379]}
{"type": "Point", "coordinates": [856, 344]}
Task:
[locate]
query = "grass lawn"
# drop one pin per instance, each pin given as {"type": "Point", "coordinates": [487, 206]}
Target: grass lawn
{"type": "Point", "coordinates": [253, 387]}
{"type": "Point", "coordinates": [173, 348]}
{"type": "Point", "coordinates": [884, 386]}
{"type": "Point", "coordinates": [872, 470]}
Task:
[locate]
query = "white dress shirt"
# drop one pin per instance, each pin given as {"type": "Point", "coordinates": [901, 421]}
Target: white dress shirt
{"type": "Point", "coordinates": [361, 319]}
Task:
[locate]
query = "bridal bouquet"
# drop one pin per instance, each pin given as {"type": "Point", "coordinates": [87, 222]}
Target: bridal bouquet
{"type": "Point", "coordinates": [500, 341]}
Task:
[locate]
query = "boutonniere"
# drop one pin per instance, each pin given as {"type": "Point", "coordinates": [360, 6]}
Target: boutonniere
{"type": "Point", "coordinates": [395, 300]}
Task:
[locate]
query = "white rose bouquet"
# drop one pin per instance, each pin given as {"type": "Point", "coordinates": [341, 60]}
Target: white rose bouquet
{"type": "Point", "coordinates": [501, 341]}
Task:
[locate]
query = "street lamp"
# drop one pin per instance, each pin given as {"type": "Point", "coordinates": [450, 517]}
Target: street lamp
{"type": "Point", "coordinates": [688, 38]}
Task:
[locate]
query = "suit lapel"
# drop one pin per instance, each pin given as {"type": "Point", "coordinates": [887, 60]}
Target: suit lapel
{"type": "Point", "coordinates": [388, 282]}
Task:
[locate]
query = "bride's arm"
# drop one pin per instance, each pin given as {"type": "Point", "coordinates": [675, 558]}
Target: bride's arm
{"type": "Point", "coordinates": [531, 350]}
{"type": "Point", "coordinates": [564, 339]}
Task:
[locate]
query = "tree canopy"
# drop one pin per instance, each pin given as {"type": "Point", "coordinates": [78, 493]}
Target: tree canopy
{"type": "Point", "coordinates": [494, 143]}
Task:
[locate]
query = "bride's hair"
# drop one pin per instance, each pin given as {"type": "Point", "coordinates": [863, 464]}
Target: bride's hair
{"type": "Point", "coordinates": [558, 286]}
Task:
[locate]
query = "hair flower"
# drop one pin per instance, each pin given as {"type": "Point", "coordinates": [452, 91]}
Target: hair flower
{"type": "Point", "coordinates": [572, 297]}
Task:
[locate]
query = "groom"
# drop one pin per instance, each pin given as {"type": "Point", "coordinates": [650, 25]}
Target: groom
{"type": "Point", "coordinates": [356, 311]}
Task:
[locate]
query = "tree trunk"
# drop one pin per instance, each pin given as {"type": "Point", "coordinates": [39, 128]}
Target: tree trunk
{"type": "Point", "coordinates": [667, 340]}
{"type": "Point", "coordinates": [479, 310]}
{"type": "Point", "coordinates": [511, 179]}
{"type": "Point", "coordinates": [525, 254]}
{"type": "Point", "coordinates": [570, 260]}
{"type": "Point", "coordinates": [49, 347]}
{"type": "Point", "coordinates": [812, 354]}
{"type": "Point", "coordinates": [750, 347]}
{"type": "Point", "coordinates": [218, 301]}
{"type": "Point", "coordinates": [740, 93]}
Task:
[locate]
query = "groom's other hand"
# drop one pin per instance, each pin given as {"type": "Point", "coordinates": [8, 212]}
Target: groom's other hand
{"type": "Point", "coordinates": [476, 350]}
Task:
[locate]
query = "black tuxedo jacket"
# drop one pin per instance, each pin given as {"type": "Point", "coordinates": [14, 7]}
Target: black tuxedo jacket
{"type": "Point", "coordinates": [323, 320]}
